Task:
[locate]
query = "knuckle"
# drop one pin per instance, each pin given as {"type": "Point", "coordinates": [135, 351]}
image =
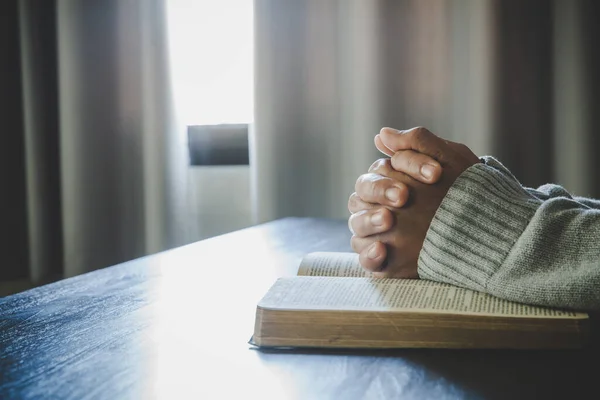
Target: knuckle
{"type": "Point", "coordinates": [368, 186]}
{"type": "Point", "coordinates": [374, 165]}
{"type": "Point", "coordinates": [358, 183]}
{"type": "Point", "coordinates": [421, 135]}
{"type": "Point", "coordinates": [421, 131]}
{"type": "Point", "coordinates": [358, 222]}
{"type": "Point", "coordinates": [383, 167]}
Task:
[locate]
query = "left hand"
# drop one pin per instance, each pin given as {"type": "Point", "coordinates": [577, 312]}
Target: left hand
{"type": "Point", "coordinates": [391, 249]}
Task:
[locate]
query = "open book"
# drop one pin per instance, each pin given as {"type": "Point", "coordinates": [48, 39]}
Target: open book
{"type": "Point", "coordinates": [333, 302]}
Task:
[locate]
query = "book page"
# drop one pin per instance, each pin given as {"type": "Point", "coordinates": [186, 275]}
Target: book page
{"type": "Point", "coordinates": [406, 295]}
{"type": "Point", "coordinates": [332, 264]}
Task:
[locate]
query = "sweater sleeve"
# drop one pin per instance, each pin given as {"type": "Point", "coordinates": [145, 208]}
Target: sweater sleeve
{"type": "Point", "coordinates": [532, 246]}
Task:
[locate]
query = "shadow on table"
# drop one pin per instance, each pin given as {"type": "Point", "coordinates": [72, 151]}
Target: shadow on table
{"type": "Point", "coordinates": [489, 373]}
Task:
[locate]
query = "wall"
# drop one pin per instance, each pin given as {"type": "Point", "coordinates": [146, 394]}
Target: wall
{"type": "Point", "coordinates": [220, 199]}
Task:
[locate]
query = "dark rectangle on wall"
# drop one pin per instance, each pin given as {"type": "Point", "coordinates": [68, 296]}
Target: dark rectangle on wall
{"type": "Point", "coordinates": [225, 144]}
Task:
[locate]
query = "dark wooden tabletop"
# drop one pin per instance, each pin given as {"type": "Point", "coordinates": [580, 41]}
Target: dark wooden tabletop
{"type": "Point", "coordinates": [176, 325]}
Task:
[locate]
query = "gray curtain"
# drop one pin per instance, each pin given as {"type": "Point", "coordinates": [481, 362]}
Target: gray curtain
{"type": "Point", "coordinates": [93, 138]}
{"type": "Point", "coordinates": [513, 79]}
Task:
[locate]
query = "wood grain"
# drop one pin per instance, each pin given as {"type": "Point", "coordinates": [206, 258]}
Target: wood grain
{"type": "Point", "coordinates": [176, 325]}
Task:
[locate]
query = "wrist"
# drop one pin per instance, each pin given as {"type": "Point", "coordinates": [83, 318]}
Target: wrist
{"type": "Point", "coordinates": [475, 227]}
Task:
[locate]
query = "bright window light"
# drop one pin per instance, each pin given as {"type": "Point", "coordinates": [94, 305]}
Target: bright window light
{"type": "Point", "coordinates": [211, 44]}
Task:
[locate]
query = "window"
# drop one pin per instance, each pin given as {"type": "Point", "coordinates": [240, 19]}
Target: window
{"type": "Point", "coordinates": [211, 44]}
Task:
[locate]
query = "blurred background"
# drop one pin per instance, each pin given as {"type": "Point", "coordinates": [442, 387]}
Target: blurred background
{"type": "Point", "coordinates": [131, 127]}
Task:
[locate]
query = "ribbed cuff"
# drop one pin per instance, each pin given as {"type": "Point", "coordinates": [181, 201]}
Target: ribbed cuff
{"type": "Point", "coordinates": [478, 222]}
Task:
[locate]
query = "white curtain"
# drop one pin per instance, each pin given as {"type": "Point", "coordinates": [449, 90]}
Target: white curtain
{"type": "Point", "coordinates": [330, 74]}
{"type": "Point", "coordinates": [123, 157]}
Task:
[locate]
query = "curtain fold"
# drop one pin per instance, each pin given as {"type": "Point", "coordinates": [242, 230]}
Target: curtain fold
{"type": "Point", "coordinates": [102, 158]}
{"type": "Point", "coordinates": [315, 101]}
{"type": "Point", "coordinates": [512, 79]}
{"type": "Point", "coordinates": [41, 132]}
{"type": "Point", "coordinates": [123, 162]}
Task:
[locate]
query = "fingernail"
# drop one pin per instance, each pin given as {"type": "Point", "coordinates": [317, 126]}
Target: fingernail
{"type": "Point", "coordinates": [427, 171]}
{"type": "Point", "coordinates": [372, 254]}
{"type": "Point", "coordinates": [393, 194]}
{"type": "Point", "coordinates": [377, 219]}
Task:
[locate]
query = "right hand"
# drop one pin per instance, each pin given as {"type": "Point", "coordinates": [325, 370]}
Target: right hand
{"type": "Point", "coordinates": [381, 190]}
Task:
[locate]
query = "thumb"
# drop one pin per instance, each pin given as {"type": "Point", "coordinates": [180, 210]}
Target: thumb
{"type": "Point", "coordinates": [418, 139]}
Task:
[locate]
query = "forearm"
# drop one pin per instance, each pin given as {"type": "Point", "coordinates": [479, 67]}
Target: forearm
{"type": "Point", "coordinates": [556, 261]}
{"type": "Point", "coordinates": [491, 234]}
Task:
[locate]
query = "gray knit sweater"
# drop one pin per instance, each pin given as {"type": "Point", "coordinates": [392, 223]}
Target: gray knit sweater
{"type": "Point", "coordinates": [532, 246]}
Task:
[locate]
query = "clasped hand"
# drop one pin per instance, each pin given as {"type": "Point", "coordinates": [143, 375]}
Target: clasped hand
{"type": "Point", "coordinates": [396, 200]}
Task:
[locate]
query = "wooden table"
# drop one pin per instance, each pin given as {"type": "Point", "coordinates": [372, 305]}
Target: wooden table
{"type": "Point", "coordinates": [175, 325]}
